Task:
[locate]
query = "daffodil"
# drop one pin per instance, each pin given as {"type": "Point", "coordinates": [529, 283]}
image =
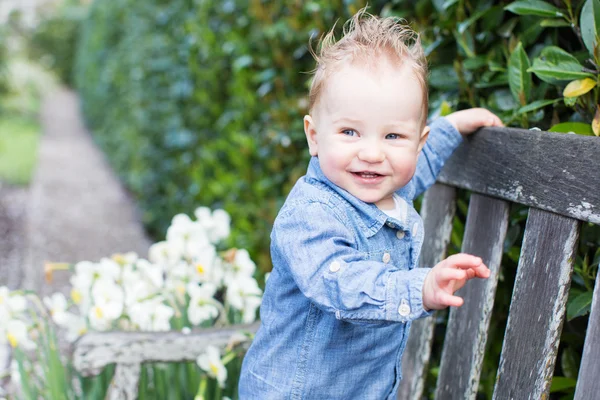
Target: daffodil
{"type": "Point", "coordinates": [16, 334]}
{"type": "Point", "coordinates": [210, 361]}
{"type": "Point", "coordinates": [244, 295]}
{"type": "Point", "coordinates": [57, 304]}
{"type": "Point", "coordinates": [202, 305]}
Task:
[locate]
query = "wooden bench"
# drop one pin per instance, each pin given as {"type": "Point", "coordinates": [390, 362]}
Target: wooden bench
{"type": "Point", "coordinates": [558, 177]}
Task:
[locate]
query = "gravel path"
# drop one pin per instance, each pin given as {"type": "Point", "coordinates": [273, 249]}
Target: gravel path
{"type": "Point", "coordinates": [77, 209]}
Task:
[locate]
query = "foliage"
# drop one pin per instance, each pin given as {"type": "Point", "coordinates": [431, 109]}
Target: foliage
{"type": "Point", "coordinates": [3, 65]}
{"type": "Point", "coordinates": [53, 41]}
{"type": "Point", "coordinates": [198, 101]}
{"type": "Point", "coordinates": [187, 282]}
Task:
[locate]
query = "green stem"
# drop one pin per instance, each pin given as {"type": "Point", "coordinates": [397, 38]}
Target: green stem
{"type": "Point", "coordinates": [201, 390]}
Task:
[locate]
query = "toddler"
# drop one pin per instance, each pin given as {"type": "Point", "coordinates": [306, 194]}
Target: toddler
{"type": "Point", "coordinates": [345, 285]}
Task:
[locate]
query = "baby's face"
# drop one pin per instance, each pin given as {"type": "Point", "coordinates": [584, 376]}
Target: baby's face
{"type": "Point", "coordinates": [366, 130]}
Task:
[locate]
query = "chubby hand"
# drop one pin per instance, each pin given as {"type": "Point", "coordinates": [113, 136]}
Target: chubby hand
{"type": "Point", "coordinates": [447, 277]}
{"type": "Point", "coordinates": [468, 121]}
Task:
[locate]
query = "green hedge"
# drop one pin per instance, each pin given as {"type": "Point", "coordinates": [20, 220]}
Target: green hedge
{"type": "Point", "coordinates": [201, 103]}
{"type": "Point", "coordinates": [53, 42]}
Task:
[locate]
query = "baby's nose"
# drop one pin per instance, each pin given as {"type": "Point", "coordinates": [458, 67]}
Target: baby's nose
{"type": "Point", "coordinates": [371, 152]}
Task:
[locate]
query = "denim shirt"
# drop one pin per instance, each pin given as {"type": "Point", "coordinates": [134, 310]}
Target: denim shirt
{"type": "Point", "coordinates": [344, 289]}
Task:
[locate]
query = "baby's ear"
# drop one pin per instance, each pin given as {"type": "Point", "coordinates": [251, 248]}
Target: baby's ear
{"type": "Point", "coordinates": [423, 138]}
{"type": "Point", "coordinates": [311, 135]}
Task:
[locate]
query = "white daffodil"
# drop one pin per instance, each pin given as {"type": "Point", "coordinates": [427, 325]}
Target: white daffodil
{"type": "Point", "coordinates": [151, 273]}
{"type": "Point", "coordinates": [206, 267]}
{"type": "Point", "coordinates": [16, 335]}
{"type": "Point", "coordinates": [216, 223]}
{"type": "Point", "coordinates": [124, 259]}
{"type": "Point", "coordinates": [11, 304]}
{"type": "Point", "coordinates": [202, 305]}
{"type": "Point", "coordinates": [152, 315]}
{"type": "Point", "coordinates": [167, 253]}
{"type": "Point", "coordinates": [238, 265]}
{"type": "Point", "coordinates": [244, 295]}
{"type": "Point", "coordinates": [57, 304]}
{"type": "Point", "coordinates": [210, 361]}
{"type": "Point", "coordinates": [76, 326]}
{"type": "Point", "coordinates": [193, 234]}
{"type": "Point", "coordinates": [107, 299]}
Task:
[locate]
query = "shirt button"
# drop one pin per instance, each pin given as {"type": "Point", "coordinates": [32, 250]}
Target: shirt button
{"type": "Point", "coordinates": [404, 309]}
{"type": "Point", "coordinates": [390, 224]}
{"type": "Point", "coordinates": [334, 266]}
{"type": "Point", "coordinates": [415, 229]}
{"type": "Point", "coordinates": [386, 258]}
{"type": "Point", "coordinates": [400, 234]}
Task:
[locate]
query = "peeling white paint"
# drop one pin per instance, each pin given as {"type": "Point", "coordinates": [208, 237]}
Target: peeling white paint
{"type": "Point", "coordinates": [584, 211]}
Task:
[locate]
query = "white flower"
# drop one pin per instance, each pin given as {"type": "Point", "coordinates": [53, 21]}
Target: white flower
{"type": "Point", "coordinates": [206, 266]}
{"type": "Point", "coordinates": [107, 299]}
{"type": "Point", "coordinates": [210, 361]}
{"type": "Point", "coordinates": [166, 253]}
{"type": "Point", "coordinates": [16, 335]}
{"type": "Point", "coordinates": [57, 304]}
{"type": "Point", "coordinates": [152, 315]}
{"type": "Point", "coordinates": [76, 326]}
{"type": "Point", "coordinates": [217, 223]}
{"type": "Point", "coordinates": [202, 304]}
{"type": "Point", "coordinates": [191, 234]}
{"type": "Point", "coordinates": [11, 304]}
{"type": "Point", "coordinates": [244, 295]}
{"type": "Point", "coordinates": [239, 266]}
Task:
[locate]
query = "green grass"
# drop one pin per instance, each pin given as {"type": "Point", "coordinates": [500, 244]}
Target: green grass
{"type": "Point", "coordinates": [18, 148]}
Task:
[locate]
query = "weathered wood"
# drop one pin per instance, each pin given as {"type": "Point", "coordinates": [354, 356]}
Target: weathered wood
{"type": "Point", "coordinates": [96, 350]}
{"type": "Point", "coordinates": [124, 385]}
{"type": "Point", "coordinates": [588, 382]}
{"type": "Point", "coordinates": [537, 307]}
{"type": "Point", "coordinates": [438, 209]}
{"type": "Point", "coordinates": [466, 334]}
{"type": "Point", "coordinates": [545, 170]}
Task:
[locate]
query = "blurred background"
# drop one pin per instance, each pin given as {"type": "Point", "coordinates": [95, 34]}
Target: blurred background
{"type": "Point", "coordinates": [116, 115]}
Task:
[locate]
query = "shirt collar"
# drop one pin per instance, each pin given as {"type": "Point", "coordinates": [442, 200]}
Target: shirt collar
{"type": "Point", "coordinates": [371, 218]}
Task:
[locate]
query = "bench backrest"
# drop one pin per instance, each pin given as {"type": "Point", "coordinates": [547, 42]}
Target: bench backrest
{"type": "Point", "coordinates": [555, 175]}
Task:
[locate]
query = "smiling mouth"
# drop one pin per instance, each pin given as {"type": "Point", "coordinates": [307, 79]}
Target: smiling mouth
{"type": "Point", "coordinates": [367, 175]}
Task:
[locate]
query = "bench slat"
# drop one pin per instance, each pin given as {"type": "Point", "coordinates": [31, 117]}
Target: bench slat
{"type": "Point", "coordinates": [466, 334]}
{"type": "Point", "coordinates": [537, 307]}
{"type": "Point", "coordinates": [96, 350]}
{"type": "Point", "coordinates": [588, 382]}
{"type": "Point", "coordinates": [124, 385]}
{"type": "Point", "coordinates": [545, 170]}
{"type": "Point", "coordinates": [438, 209]}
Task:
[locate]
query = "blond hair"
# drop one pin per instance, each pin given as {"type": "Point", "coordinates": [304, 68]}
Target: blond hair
{"type": "Point", "coordinates": [366, 38]}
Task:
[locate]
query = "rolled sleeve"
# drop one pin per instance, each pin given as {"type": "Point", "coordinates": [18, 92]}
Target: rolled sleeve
{"type": "Point", "coordinates": [442, 141]}
{"type": "Point", "coordinates": [319, 249]}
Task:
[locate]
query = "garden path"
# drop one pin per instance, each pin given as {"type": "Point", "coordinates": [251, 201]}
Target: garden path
{"type": "Point", "coordinates": [75, 208]}
{"type": "Point", "coordinates": [78, 210]}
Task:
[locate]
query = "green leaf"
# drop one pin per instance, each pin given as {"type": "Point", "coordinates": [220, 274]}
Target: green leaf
{"type": "Point", "coordinates": [590, 24]}
{"type": "Point", "coordinates": [519, 79]}
{"type": "Point", "coordinates": [569, 362]}
{"type": "Point", "coordinates": [534, 7]}
{"type": "Point", "coordinates": [554, 23]}
{"type": "Point", "coordinates": [560, 383]}
{"type": "Point", "coordinates": [579, 305]}
{"type": "Point", "coordinates": [536, 105]}
{"type": "Point", "coordinates": [555, 65]}
{"type": "Point", "coordinates": [464, 25]}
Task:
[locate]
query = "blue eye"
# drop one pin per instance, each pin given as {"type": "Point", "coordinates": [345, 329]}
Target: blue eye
{"type": "Point", "coordinates": [349, 132]}
{"type": "Point", "coordinates": [392, 136]}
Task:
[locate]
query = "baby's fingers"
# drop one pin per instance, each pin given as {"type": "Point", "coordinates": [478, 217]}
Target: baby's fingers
{"type": "Point", "coordinates": [448, 300]}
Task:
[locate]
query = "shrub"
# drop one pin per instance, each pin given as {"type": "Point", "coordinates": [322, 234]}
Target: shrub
{"type": "Point", "coordinates": [53, 41]}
